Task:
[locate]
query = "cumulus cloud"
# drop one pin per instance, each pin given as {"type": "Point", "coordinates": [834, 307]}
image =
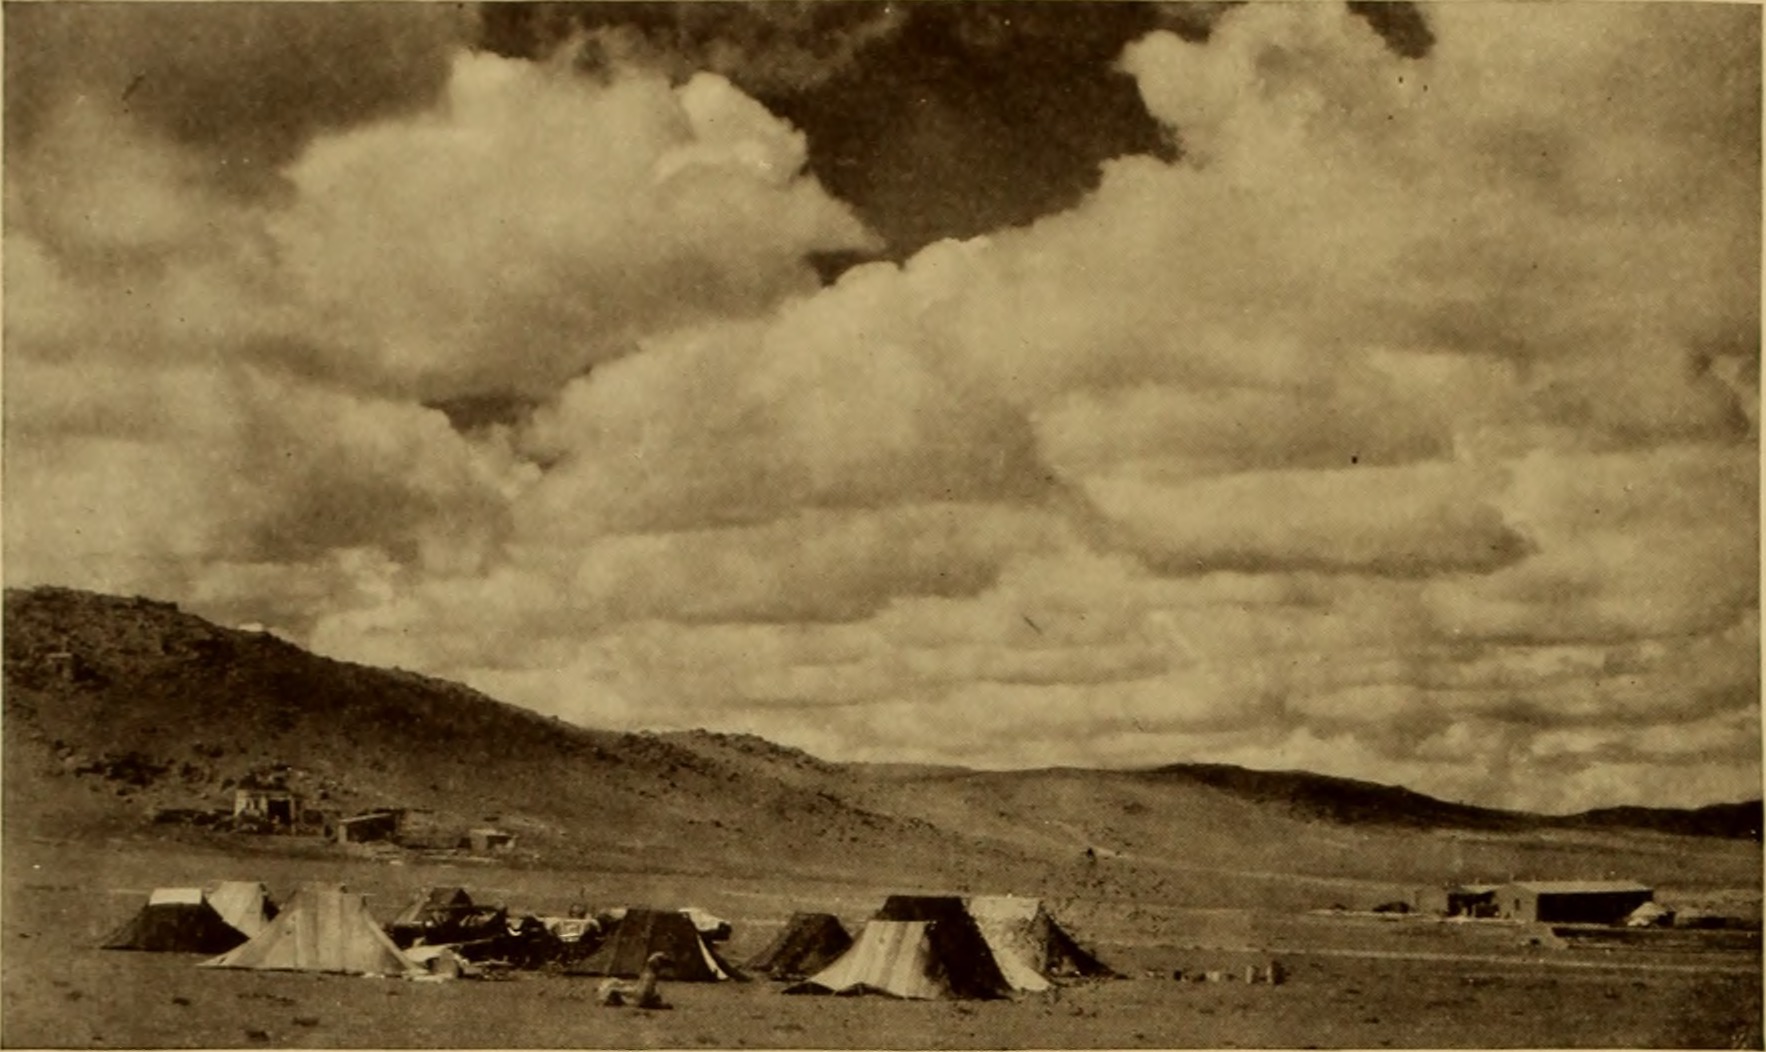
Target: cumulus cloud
{"type": "Point", "coordinates": [538, 224]}
{"type": "Point", "coordinates": [135, 479]}
{"type": "Point", "coordinates": [1655, 543]}
{"type": "Point", "coordinates": [1399, 424]}
{"type": "Point", "coordinates": [1402, 521]}
{"type": "Point", "coordinates": [203, 380]}
{"type": "Point", "coordinates": [833, 402]}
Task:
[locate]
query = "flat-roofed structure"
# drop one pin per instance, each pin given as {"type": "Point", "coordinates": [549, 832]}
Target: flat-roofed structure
{"type": "Point", "coordinates": [1572, 901]}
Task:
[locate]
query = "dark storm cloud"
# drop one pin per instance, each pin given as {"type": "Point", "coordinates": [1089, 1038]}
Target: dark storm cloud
{"type": "Point", "coordinates": [934, 119]}
{"type": "Point", "coordinates": [772, 48]}
{"type": "Point", "coordinates": [247, 84]}
{"type": "Point", "coordinates": [978, 116]}
{"type": "Point", "coordinates": [1401, 25]}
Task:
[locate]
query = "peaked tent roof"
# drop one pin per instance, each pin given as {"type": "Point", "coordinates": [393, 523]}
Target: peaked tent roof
{"type": "Point", "coordinates": [245, 904]}
{"type": "Point", "coordinates": [710, 926]}
{"type": "Point", "coordinates": [958, 945]}
{"type": "Point", "coordinates": [1028, 944]}
{"type": "Point", "coordinates": [322, 929]}
{"type": "Point", "coordinates": [808, 943]}
{"type": "Point", "coordinates": [171, 923]}
{"type": "Point", "coordinates": [1019, 940]}
{"type": "Point", "coordinates": [439, 903]}
{"type": "Point", "coordinates": [641, 932]}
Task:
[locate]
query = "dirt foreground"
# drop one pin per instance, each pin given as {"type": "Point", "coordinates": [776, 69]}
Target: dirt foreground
{"type": "Point", "coordinates": [1353, 981]}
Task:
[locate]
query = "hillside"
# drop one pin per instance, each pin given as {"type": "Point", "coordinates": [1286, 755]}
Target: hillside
{"type": "Point", "coordinates": [1343, 800]}
{"type": "Point", "coordinates": [117, 709]}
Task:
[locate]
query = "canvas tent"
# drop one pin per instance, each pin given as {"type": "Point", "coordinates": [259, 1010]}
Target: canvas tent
{"type": "Point", "coordinates": [1027, 943]}
{"type": "Point", "coordinates": [322, 929]}
{"type": "Point", "coordinates": [808, 943]}
{"type": "Point", "coordinates": [176, 920]}
{"type": "Point", "coordinates": [1022, 938]}
{"type": "Point", "coordinates": [628, 941]}
{"type": "Point", "coordinates": [245, 904]}
{"type": "Point", "coordinates": [984, 946]}
{"type": "Point", "coordinates": [710, 926]}
{"type": "Point", "coordinates": [918, 959]}
{"type": "Point", "coordinates": [439, 915]}
{"type": "Point", "coordinates": [434, 904]}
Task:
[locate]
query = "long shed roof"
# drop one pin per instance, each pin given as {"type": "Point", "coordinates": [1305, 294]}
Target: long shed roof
{"type": "Point", "coordinates": [1579, 887]}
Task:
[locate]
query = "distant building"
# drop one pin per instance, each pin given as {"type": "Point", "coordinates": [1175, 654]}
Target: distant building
{"type": "Point", "coordinates": [1572, 901]}
{"type": "Point", "coordinates": [275, 806]}
{"type": "Point", "coordinates": [368, 827]}
{"type": "Point", "coordinates": [486, 840]}
{"type": "Point", "coordinates": [414, 827]}
{"type": "Point", "coordinates": [1458, 900]}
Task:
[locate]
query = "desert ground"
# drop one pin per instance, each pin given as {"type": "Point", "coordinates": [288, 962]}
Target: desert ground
{"type": "Point", "coordinates": [1353, 979]}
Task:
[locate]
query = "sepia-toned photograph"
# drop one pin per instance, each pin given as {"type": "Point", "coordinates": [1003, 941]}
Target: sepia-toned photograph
{"type": "Point", "coordinates": [845, 524]}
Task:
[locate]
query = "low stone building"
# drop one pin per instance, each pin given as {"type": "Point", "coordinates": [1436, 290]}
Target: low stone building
{"type": "Point", "coordinates": [486, 841]}
{"type": "Point", "coordinates": [276, 806]}
{"type": "Point", "coordinates": [1572, 901]}
{"type": "Point", "coordinates": [1458, 900]}
{"type": "Point", "coordinates": [368, 828]}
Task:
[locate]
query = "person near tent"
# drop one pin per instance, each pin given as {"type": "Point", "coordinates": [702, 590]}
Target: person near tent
{"type": "Point", "coordinates": [646, 993]}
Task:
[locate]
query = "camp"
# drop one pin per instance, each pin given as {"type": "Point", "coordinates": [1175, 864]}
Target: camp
{"type": "Point", "coordinates": [176, 920]}
{"type": "Point", "coordinates": [808, 943]}
{"type": "Point", "coordinates": [322, 929]}
{"type": "Point", "coordinates": [638, 933]}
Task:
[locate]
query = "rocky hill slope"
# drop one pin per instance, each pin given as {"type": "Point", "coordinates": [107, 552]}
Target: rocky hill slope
{"type": "Point", "coordinates": [120, 709]}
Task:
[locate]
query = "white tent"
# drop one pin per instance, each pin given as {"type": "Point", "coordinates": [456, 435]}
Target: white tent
{"type": "Point", "coordinates": [322, 929]}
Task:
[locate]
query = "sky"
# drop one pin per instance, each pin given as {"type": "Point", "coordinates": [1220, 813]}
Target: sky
{"type": "Point", "coordinates": [1365, 390]}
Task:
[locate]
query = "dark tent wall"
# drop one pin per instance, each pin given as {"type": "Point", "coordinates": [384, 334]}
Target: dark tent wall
{"type": "Point", "coordinates": [959, 950]}
{"type": "Point", "coordinates": [176, 927]}
{"type": "Point", "coordinates": [641, 933]}
{"type": "Point", "coordinates": [808, 943]}
{"type": "Point", "coordinates": [1068, 958]}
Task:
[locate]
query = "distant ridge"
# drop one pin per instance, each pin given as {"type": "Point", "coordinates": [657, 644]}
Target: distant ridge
{"type": "Point", "coordinates": [1739, 821]}
{"type": "Point", "coordinates": [1351, 802]}
{"type": "Point", "coordinates": [1344, 800]}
